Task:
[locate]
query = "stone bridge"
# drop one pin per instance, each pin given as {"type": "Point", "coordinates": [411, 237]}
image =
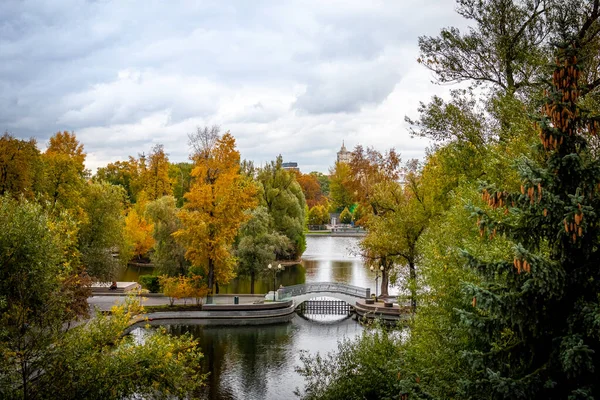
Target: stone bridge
{"type": "Point", "coordinates": [341, 291]}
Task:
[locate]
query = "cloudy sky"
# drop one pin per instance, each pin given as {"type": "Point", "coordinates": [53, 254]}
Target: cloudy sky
{"type": "Point", "coordinates": [285, 77]}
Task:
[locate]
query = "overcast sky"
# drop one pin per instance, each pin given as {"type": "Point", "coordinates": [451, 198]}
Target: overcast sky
{"type": "Point", "coordinates": [294, 78]}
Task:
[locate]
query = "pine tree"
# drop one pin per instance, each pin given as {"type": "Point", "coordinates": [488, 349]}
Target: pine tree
{"type": "Point", "coordinates": [535, 318]}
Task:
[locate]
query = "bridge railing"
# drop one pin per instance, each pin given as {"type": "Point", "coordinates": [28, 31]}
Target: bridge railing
{"type": "Point", "coordinates": [317, 287]}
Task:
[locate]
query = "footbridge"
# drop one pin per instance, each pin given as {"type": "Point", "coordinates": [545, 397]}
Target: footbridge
{"type": "Point", "coordinates": [341, 291]}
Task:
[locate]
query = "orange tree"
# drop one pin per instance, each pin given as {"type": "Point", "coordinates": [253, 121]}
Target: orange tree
{"type": "Point", "coordinates": [215, 206]}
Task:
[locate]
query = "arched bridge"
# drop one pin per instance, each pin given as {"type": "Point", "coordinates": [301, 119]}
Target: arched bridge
{"type": "Point", "coordinates": [307, 291]}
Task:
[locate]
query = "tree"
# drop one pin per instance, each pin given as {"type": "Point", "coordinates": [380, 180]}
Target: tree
{"type": "Point", "coordinates": [43, 356]}
{"type": "Point", "coordinates": [138, 233]}
{"type": "Point", "coordinates": [181, 177]}
{"type": "Point", "coordinates": [215, 206]}
{"type": "Point", "coordinates": [323, 182]}
{"type": "Point", "coordinates": [156, 181]}
{"type": "Point", "coordinates": [258, 244]}
{"type": "Point", "coordinates": [64, 171]}
{"type": "Point", "coordinates": [122, 173]}
{"type": "Point", "coordinates": [283, 198]}
{"type": "Point", "coordinates": [534, 315]}
{"type": "Point", "coordinates": [20, 166]}
{"type": "Point", "coordinates": [311, 189]}
{"type": "Point", "coordinates": [101, 232]}
{"type": "Point", "coordinates": [318, 215]}
{"type": "Point", "coordinates": [168, 256]}
{"type": "Point", "coordinates": [345, 216]}
{"type": "Point", "coordinates": [361, 369]}
{"type": "Point", "coordinates": [339, 193]}
{"type": "Point", "coordinates": [504, 49]}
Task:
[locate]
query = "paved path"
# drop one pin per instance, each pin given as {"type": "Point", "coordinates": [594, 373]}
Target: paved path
{"type": "Point", "coordinates": [104, 303]}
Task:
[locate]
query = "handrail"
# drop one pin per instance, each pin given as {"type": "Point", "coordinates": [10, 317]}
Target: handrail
{"type": "Point", "coordinates": [316, 287]}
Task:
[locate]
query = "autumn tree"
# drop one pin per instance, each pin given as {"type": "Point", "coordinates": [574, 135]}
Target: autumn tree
{"type": "Point", "coordinates": [138, 233]}
{"type": "Point", "coordinates": [311, 188]}
{"type": "Point", "coordinates": [284, 200]}
{"type": "Point", "coordinates": [20, 166]}
{"type": "Point", "coordinates": [181, 179]}
{"type": "Point", "coordinates": [323, 182]}
{"type": "Point", "coordinates": [258, 245]}
{"type": "Point", "coordinates": [155, 178]}
{"type": "Point", "coordinates": [339, 192]}
{"type": "Point", "coordinates": [64, 170]}
{"type": "Point", "coordinates": [216, 204]}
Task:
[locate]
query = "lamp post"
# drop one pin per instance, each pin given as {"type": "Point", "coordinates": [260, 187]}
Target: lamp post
{"type": "Point", "coordinates": [275, 271]}
{"type": "Point", "coordinates": [376, 270]}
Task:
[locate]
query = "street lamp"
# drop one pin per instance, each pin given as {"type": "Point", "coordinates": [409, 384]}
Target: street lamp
{"type": "Point", "coordinates": [275, 271]}
{"type": "Point", "coordinates": [373, 269]}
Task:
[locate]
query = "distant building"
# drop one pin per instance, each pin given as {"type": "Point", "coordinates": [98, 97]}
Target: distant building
{"type": "Point", "coordinates": [291, 166]}
{"type": "Point", "coordinates": [343, 156]}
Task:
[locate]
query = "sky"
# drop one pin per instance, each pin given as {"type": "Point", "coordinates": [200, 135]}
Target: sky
{"type": "Point", "coordinates": [289, 77]}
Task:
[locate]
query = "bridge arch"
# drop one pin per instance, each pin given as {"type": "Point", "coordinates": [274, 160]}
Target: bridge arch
{"type": "Point", "coordinates": [338, 296]}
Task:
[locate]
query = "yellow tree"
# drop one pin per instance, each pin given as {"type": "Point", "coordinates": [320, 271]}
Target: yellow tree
{"type": "Point", "coordinates": [215, 205]}
{"type": "Point", "coordinates": [156, 180]}
{"type": "Point", "coordinates": [138, 233]}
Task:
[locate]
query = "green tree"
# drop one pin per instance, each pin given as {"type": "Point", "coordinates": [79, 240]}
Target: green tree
{"type": "Point", "coordinates": [534, 315]}
{"type": "Point", "coordinates": [323, 182]}
{"type": "Point", "coordinates": [42, 355]}
{"type": "Point", "coordinates": [169, 255]}
{"type": "Point", "coordinates": [181, 178]}
{"type": "Point", "coordinates": [156, 182]}
{"type": "Point", "coordinates": [121, 173]}
{"type": "Point", "coordinates": [101, 232]}
{"type": "Point", "coordinates": [283, 198]}
{"type": "Point", "coordinates": [258, 244]}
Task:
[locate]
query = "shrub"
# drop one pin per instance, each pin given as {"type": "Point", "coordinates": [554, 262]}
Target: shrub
{"type": "Point", "coordinates": [150, 282]}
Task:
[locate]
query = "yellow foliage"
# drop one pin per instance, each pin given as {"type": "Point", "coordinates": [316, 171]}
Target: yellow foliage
{"type": "Point", "coordinates": [215, 209]}
{"type": "Point", "coordinates": [138, 233]}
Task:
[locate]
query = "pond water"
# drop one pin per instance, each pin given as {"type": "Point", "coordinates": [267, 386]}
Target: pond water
{"type": "Point", "coordinates": [326, 259]}
{"type": "Point", "coordinates": [258, 362]}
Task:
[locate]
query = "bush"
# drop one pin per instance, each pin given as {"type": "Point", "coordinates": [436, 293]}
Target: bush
{"type": "Point", "coordinates": [150, 282]}
{"type": "Point", "coordinates": [345, 216]}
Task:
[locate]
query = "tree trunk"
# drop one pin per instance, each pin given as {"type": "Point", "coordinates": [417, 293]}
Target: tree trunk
{"type": "Point", "coordinates": [385, 280]}
{"type": "Point", "coordinates": [217, 287]}
{"type": "Point", "coordinates": [211, 277]}
{"type": "Point", "coordinates": [252, 283]}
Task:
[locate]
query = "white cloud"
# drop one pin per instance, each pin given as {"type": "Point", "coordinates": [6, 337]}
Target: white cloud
{"type": "Point", "coordinates": [292, 78]}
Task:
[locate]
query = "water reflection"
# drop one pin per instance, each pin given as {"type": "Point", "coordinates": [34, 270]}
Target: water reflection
{"type": "Point", "coordinates": [258, 362]}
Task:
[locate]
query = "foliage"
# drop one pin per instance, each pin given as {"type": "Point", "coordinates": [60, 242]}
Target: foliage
{"type": "Point", "coordinates": [138, 233]}
{"type": "Point", "coordinates": [96, 361]}
{"type": "Point", "coordinates": [340, 194]}
{"type": "Point", "coordinates": [156, 182]}
{"type": "Point", "coordinates": [168, 256]}
{"type": "Point", "coordinates": [311, 188]}
{"type": "Point", "coordinates": [150, 282]}
{"type": "Point", "coordinates": [20, 166]}
{"type": "Point", "coordinates": [504, 48]}
{"type": "Point", "coordinates": [101, 232]}
{"type": "Point", "coordinates": [183, 287]}
{"type": "Point", "coordinates": [215, 206]}
{"type": "Point", "coordinates": [533, 313]}
{"type": "Point", "coordinates": [323, 182]}
{"type": "Point", "coordinates": [258, 243]}
{"type": "Point", "coordinates": [181, 179]}
{"type": "Point", "coordinates": [64, 171]}
{"type": "Point", "coordinates": [124, 174]}
{"type": "Point", "coordinates": [345, 216]}
{"type": "Point", "coordinates": [318, 215]}
{"type": "Point", "coordinates": [366, 368]}
{"type": "Point", "coordinates": [283, 198]}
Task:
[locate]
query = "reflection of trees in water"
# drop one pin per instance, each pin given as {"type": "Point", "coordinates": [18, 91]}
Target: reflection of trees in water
{"type": "Point", "coordinates": [291, 275]}
{"type": "Point", "coordinates": [341, 271]}
{"type": "Point", "coordinates": [251, 353]}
